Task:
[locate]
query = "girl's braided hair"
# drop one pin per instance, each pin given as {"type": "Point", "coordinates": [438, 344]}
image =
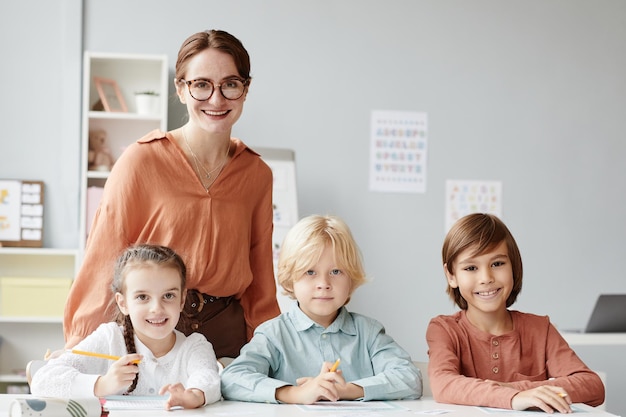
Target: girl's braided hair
{"type": "Point", "coordinates": [135, 257]}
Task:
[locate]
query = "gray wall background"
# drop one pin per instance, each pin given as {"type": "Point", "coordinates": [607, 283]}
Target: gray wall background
{"type": "Point", "coordinates": [531, 93]}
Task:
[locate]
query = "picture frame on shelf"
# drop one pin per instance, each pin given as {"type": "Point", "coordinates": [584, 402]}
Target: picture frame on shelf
{"type": "Point", "coordinates": [110, 95]}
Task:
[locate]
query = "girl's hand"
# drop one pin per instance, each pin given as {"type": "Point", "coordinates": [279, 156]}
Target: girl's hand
{"type": "Point", "coordinates": [119, 377]}
{"type": "Point", "coordinates": [546, 397]}
{"type": "Point", "coordinates": [181, 397]}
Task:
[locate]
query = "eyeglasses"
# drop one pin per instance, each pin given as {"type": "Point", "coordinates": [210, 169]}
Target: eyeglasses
{"type": "Point", "coordinates": [202, 90]}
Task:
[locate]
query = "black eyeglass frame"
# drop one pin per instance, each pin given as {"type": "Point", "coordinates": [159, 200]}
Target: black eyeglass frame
{"type": "Point", "coordinates": [245, 83]}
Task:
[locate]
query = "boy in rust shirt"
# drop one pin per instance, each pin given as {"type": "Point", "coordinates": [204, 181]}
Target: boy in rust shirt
{"type": "Point", "coordinates": [488, 355]}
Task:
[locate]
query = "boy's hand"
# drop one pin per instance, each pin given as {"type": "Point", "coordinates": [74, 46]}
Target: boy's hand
{"type": "Point", "coordinates": [119, 377]}
{"type": "Point", "coordinates": [546, 397]}
{"type": "Point", "coordinates": [348, 390]}
{"type": "Point", "coordinates": [181, 397]}
{"type": "Point", "coordinates": [312, 389]}
{"type": "Point", "coordinates": [345, 390]}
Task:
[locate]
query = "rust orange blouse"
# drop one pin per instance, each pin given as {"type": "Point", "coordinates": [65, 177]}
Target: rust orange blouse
{"type": "Point", "coordinates": [154, 196]}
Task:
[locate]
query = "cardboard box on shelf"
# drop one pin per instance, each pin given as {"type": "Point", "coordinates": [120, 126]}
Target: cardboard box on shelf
{"type": "Point", "coordinates": [25, 296]}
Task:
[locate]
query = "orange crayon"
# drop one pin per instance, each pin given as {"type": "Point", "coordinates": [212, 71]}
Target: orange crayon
{"type": "Point", "coordinates": [97, 355]}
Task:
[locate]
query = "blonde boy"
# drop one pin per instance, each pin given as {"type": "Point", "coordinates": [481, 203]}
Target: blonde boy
{"type": "Point", "coordinates": [290, 357]}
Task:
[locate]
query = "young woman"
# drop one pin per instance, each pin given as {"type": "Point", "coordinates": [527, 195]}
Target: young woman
{"type": "Point", "coordinates": [202, 193]}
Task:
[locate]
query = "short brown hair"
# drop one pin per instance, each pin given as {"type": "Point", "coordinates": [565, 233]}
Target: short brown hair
{"type": "Point", "coordinates": [481, 232]}
{"type": "Point", "coordinates": [217, 39]}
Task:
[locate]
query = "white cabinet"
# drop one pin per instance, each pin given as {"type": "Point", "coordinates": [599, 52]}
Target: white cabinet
{"type": "Point", "coordinates": [132, 73]}
{"type": "Point", "coordinates": [27, 337]}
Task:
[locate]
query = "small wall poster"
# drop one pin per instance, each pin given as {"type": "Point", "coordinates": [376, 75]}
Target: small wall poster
{"type": "Point", "coordinates": [398, 148]}
{"type": "Point", "coordinates": [466, 197]}
{"type": "Point", "coordinates": [21, 213]}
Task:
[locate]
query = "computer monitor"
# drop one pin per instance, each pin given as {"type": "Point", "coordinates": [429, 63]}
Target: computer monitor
{"type": "Point", "coordinates": [609, 314]}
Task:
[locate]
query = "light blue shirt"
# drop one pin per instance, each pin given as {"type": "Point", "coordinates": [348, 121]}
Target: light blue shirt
{"type": "Point", "coordinates": [292, 346]}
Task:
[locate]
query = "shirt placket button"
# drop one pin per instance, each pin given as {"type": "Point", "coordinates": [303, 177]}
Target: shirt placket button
{"type": "Point", "coordinates": [495, 355]}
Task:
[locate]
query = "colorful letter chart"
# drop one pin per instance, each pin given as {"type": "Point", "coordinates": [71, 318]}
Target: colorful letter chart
{"type": "Point", "coordinates": [465, 197]}
{"type": "Point", "coordinates": [21, 213]}
{"type": "Point", "coordinates": [398, 148]}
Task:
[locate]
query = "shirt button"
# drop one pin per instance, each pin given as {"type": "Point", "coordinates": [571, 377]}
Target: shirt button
{"type": "Point", "coordinates": [323, 336]}
{"type": "Point", "coordinates": [195, 326]}
{"type": "Point", "coordinates": [495, 355]}
{"type": "Point", "coordinates": [495, 342]}
{"type": "Point", "coordinates": [151, 390]}
{"type": "Point", "coordinates": [495, 369]}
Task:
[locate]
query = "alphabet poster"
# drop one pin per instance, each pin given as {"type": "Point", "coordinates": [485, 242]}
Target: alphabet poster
{"type": "Point", "coordinates": [398, 148]}
{"type": "Point", "coordinates": [466, 197]}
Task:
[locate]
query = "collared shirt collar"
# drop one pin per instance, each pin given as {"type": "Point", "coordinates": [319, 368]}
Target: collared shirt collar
{"type": "Point", "coordinates": [302, 322]}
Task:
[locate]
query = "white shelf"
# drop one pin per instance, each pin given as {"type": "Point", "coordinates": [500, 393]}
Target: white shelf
{"type": "Point", "coordinates": [38, 251]}
{"type": "Point", "coordinates": [98, 174]}
{"type": "Point", "coordinates": [123, 116]}
{"type": "Point", "coordinates": [29, 319]}
{"type": "Point", "coordinates": [13, 378]}
{"type": "Point", "coordinates": [27, 337]}
{"type": "Point", "coordinates": [132, 73]}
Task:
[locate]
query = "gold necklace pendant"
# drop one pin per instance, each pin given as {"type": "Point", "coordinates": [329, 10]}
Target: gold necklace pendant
{"type": "Point", "coordinates": [198, 163]}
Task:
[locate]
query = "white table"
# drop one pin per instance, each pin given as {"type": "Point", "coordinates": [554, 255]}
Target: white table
{"type": "Point", "coordinates": [594, 339]}
{"type": "Point", "coordinates": [604, 352]}
{"type": "Point", "coordinates": [235, 408]}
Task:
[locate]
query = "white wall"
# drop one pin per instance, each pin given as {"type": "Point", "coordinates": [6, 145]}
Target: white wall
{"type": "Point", "coordinates": [40, 45]}
{"type": "Point", "coordinates": [532, 93]}
{"type": "Point", "coordinates": [528, 92]}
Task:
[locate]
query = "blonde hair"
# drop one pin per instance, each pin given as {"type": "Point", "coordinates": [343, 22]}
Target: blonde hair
{"type": "Point", "coordinates": [303, 246]}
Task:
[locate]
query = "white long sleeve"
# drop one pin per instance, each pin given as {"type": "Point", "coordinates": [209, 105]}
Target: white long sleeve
{"type": "Point", "coordinates": [191, 362]}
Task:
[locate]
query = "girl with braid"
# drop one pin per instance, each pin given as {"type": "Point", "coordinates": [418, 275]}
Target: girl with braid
{"type": "Point", "coordinates": [154, 358]}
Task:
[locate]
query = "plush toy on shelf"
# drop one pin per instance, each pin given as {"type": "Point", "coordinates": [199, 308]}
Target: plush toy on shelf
{"type": "Point", "coordinates": [100, 157]}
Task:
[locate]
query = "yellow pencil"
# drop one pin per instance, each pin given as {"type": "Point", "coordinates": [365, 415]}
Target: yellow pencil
{"type": "Point", "coordinates": [97, 355]}
{"type": "Point", "coordinates": [562, 394]}
{"type": "Point", "coordinates": [335, 365]}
